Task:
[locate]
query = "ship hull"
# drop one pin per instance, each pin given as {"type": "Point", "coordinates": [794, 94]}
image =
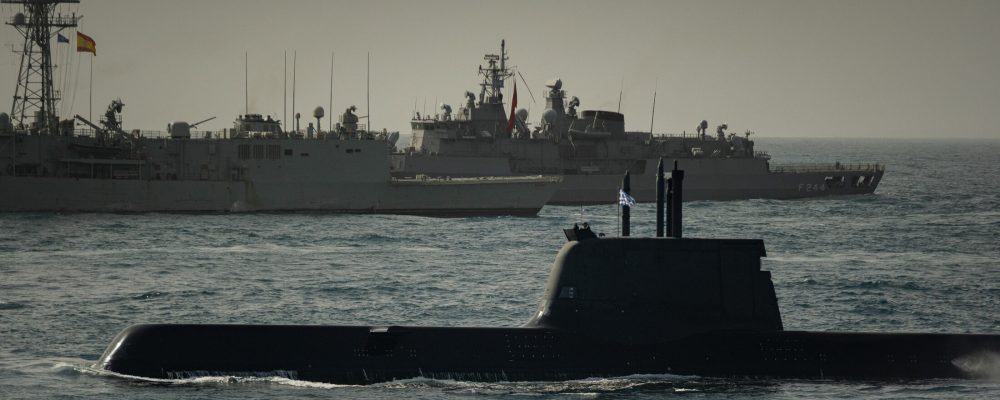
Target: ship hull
{"type": "Point", "coordinates": [364, 355]}
{"type": "Point", "coordinates": [239, 175]}
{"type": "Point", "coordinates": [524, 197]}
{"type": "Point", "coordinates": [706, 178]}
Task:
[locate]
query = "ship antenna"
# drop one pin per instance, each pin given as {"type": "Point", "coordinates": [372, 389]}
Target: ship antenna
{"type": "Point", "coordinates": [368, 91]}
{"type": "Point", "coordinates": [503, 52]}
{"type": "Point", "coordinates": [295, 60]}
{"type": "Point", "coordinates": [284, 93]}
{"type": "Point", "coordinates": [653, 114]}
{"type": "Point", "coordinates": [621, 88]}
{"type": "Point", "coordinates": [246, 82]}
{"type": "Point", "coordinates": [90, 103]}
{"type": "Point", "coordinates": [526, 86]}
{"type": "Point", "coordinates": [329, 122]}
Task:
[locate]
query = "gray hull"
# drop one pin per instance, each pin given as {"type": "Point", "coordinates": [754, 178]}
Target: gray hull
{"type": "Point", "coordinates": [56, 173]}
{"type": "Point", "coordinates": [714, 180]}
{"type": "Point", "coordinates": [706, 178]}
{"type": "Point", "coordinates": [442, 198]}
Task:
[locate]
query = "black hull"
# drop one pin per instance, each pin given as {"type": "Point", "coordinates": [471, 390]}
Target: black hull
{"type": "Point", "coordinates": [365, 355]}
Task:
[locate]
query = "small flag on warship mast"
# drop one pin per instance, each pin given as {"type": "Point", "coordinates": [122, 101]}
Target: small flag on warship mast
{"type": "Point", "coordinates": [513, 108]}
{"type": "Point", "coordinates": [624, 199]}
{"type": "Point", "coordinates": [86, 44]}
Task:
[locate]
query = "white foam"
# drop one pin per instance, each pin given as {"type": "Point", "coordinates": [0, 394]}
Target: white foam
{"type": "Point", "coordinates": [201, 378]}
{"type": "Point", "coordinates": [982, 365]}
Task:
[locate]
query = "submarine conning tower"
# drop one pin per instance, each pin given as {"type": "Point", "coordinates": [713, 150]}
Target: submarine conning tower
{"type": "Point", "coordinates": [646, 290]}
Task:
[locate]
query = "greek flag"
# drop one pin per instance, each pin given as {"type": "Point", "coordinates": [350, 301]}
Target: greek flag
{"type": "Point", "coordinates": [624, 199]}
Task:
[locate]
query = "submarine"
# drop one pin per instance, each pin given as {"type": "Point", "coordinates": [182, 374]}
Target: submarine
{"type": "Point", "coordinates": [613, 306]}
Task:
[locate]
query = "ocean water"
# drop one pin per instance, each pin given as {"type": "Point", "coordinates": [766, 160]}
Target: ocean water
{"type": "Point", "coordinates": [922, 254]}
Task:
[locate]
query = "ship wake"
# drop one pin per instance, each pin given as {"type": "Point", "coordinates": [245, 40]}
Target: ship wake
{"type": "Point", "coordinates": [982, 365]}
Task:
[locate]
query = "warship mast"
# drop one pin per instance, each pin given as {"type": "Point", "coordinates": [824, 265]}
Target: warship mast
{"type": "Point", "coordinates": [34, 99]}
{"type": "Point", "coordinates": [494, 76]}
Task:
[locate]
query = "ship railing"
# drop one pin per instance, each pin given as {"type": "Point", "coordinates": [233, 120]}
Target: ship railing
{"type": "Point", "coordinates": [362, 133]}
{"type": "Point", "coordinates": [61, 21]}
{"type": "Point", "coordinates": [827, 167]}
{"type": "Point", "coordinates": [83, 132]}
{"type": "Point", "coordinates": [669, 135]}
{"type": "Point", "coordinates": [157, 134]}
{"type": "Point", "coordinates": [88, 132]}
{"type": "Point", "coordinates": [153, 134]}
{"type": "Point", "coordinates": [149, 134]}
{"type": "Point", "coordinates": [682, 135]}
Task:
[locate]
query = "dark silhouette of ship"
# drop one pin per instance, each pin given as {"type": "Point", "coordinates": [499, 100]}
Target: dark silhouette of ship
{"type": "Point", "coordinates": [612, 307]}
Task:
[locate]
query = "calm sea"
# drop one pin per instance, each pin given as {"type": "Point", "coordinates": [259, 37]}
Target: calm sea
{"type": "Point", "coordinates": [921, 254]}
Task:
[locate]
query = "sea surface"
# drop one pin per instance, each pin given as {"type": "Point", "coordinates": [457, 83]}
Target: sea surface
{"type": "Point", "coordinates": [922, 254]}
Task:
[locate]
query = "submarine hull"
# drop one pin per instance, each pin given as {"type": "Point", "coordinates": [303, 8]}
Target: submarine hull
{"type": "Point", "coordinates": [365, 355]}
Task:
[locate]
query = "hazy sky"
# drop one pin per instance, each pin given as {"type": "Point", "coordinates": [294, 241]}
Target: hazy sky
{"type": "Point", "coordinates": [780, 68]}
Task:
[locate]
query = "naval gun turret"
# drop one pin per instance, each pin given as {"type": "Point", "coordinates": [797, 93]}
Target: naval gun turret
{"type": "Point", "coordinates": [182, 130]}
{"type": "Point", "coordinates": [612, 307]}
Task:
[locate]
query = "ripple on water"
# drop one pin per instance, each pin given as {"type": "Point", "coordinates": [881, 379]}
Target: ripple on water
{"type": "Point", "coordinates": [152, 295]}
{"type": "Point", "coordinates": [12, 305]}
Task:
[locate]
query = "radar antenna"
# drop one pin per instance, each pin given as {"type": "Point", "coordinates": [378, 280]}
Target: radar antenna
{"type": "Point", "coordinates": [493, 76]}
{"type": "Point", "coordinates": [34, 97]}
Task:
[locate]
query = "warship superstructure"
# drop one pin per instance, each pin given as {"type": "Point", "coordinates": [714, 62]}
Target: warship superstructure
{"type": "Point", "coordinates": [47, 164]}
{"type": "Point", "coordinates": [590, 149]}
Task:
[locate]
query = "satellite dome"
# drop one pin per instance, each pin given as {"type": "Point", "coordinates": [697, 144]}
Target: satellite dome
{"type": "Point", "coordinates": [549, 116]}
{"type": "Point", "coordinates": [522, 114]}
{"type": "Point", "coordinates": [318, 112]}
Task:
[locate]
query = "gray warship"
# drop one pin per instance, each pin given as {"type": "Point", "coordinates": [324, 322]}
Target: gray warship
{"type": "Point", "coordinates": [591, 149]}
{"type": "Point", "coordinates": [48, 164]}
